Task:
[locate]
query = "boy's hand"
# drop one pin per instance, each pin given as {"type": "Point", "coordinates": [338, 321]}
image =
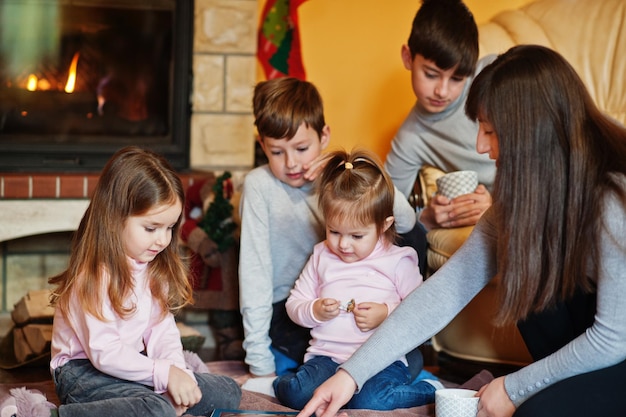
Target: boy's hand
{"type": "Point", "coordinates": [464, 210]}
{"type": "Point", "coordinates": [182, 389]}
{"type": "Point", "coordinates": [326, 309]}
{"type": "Point", "coordinates": [368, 315]}
{"type": "Point", "coordinates": [315, 167]}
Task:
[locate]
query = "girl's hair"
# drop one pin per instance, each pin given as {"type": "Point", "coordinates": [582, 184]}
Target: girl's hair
{"type": "Point", "coordinates": [354, 187]}
{"type": "Point", "coordinates": [133, 182]}
{"type": "Point", "coordinates": [282, 104]}
{"type": "Point", "coordinates": [444, 31]}
{"type": "Point", "coordinates": [556, 151]}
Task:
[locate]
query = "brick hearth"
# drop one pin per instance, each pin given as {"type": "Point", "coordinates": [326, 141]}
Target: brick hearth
{"type": "Point", "coordinates": [58, 186]}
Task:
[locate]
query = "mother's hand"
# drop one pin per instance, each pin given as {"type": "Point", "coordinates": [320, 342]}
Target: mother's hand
{"type": "Point", "coordinates": [494, 401]}
{"type": "Point", "coordinates": [329, 397]}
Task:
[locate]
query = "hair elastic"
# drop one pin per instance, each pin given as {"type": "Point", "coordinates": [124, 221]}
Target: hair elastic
{"type": "Point", "coordinates": [349, 165]}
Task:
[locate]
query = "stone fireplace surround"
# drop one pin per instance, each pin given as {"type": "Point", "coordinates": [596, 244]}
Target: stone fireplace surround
{"type": "Point", "coordinates": [222, 135]}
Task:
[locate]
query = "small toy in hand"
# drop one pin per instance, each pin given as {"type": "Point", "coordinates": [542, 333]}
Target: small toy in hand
{"type": "Point", "coordinates": [348, 307]}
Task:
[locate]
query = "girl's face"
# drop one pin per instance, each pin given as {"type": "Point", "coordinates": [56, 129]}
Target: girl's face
{"type": "Point", "coordinates": [487, 140]}
{"type": "Point", "coordinates": [351, 242]}
{"type": "Point", "coordinates": [145, 236]}
{"type": "Point", "coordinates": [288, 158]}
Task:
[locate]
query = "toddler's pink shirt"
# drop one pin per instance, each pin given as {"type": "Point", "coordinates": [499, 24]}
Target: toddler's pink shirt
{"type": "Point", "coordinates": [386, 276]}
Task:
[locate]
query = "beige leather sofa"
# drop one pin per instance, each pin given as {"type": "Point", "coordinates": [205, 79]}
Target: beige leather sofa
{"type": "Point", "coordinates": [591, 35]}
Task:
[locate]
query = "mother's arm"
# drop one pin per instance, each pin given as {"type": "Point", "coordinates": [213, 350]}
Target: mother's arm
{"type": "Point", "coordinates": [421, 315]}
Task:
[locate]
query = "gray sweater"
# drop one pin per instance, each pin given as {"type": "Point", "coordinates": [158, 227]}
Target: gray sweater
{"type": "Point", "coordinates": [280, 225]}
{"type": "Point", "coordinates": [436, 302]}
{"type": "Point", "coordinates": [445, 140]}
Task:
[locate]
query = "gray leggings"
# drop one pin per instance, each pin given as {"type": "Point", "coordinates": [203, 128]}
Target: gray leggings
{"type": "Point", "coordinates": [85, 391]}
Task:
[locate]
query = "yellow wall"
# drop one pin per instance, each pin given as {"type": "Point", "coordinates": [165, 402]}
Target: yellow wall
{"type": "Point", "coordinates": [351, 52]}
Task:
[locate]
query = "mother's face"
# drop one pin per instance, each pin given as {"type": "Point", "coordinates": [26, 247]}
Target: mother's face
{"type": "Point", "coordinates": [487, 140]}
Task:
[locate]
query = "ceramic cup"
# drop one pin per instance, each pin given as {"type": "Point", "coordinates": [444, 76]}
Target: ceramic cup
{"type": "Point", "coordinates": [457, 183]}
{"type": "Point", "coordinates": [455, 402]}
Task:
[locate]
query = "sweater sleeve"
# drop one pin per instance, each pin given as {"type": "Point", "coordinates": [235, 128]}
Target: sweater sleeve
{"type": "Point", "coordinates": [604, 343]}
{"type": "Point", "coordinates": [402, 161]}
{"type": "Point", "coordinates": [407, 274]}
{"type": "Point", "coordinates": [255, 277]}
{"type": "Point", "coordinates": [403, 213]}
{"type": "Point", "coordinates": [164, 346]}
{"type": "Point", "coordinates": [304, 294]}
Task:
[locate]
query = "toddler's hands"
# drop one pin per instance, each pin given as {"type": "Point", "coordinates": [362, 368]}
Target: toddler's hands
{"type": "Point", "coordinates": [369, 316]}
{"type": "Point", "coordinates": [182, 389]}
{"type": "Point", "coordinates": [326, 309]}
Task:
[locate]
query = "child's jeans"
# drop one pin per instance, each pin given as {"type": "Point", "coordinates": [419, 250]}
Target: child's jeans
{"type": "Point", "coordinates": [85, 391]}
{"type": "Point", "coordinates": [284, 364]}
{"type": "Point", "coordinates": [389, 389]}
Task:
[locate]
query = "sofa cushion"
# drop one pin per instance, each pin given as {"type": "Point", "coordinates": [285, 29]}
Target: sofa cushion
{"type": "Point", "coordinates": [442, 243]}
{"type": "Point", "coordinates": [589, 34]}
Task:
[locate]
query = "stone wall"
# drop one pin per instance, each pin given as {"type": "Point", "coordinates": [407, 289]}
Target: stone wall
{"type": "Point", "coordinates": [224, 67]}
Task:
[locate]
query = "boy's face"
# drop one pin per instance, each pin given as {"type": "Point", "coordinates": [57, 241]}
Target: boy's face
{"type": "Point", "coordinates": [434, 87]}
{"type": "Point", "coordinates": [288, 158]}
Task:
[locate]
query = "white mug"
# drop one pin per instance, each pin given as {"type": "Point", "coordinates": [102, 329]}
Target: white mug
{"type": "Point", "coordinates": [457, 183]}
{"type": "Point", "coordinates": [456, 402]}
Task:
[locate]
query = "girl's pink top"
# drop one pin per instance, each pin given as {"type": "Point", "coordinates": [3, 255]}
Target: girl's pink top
{"type": "Point", "coordinates": [386, 276]}
{"type": "Point", "coordinates": [139, 348]}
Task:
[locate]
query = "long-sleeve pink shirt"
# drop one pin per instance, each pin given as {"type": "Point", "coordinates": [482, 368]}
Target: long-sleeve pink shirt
{"type": "Point", "coordinates": [386, 276]}
{"type": "Point", "coordinates": [115, 346]}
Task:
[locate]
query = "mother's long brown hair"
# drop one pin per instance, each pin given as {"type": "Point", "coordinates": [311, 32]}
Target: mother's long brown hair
{"type": "Point", "coordinates": [556, 150]}
{"type": "Point", "coordinates": [133, 182]}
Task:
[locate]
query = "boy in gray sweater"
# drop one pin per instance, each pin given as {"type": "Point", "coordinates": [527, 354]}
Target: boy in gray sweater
{"type": "Point", "coordinates": [281, 222]}
{"type": "Point", "coordinates": [442, 54]}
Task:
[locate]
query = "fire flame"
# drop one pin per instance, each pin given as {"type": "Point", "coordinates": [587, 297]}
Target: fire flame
{"type": "Point", "coordinates": [31, 84]}
{"type": "Point", "coordinates": [34, 83]}
{"type": "Point", "coordinates": [71, 79]}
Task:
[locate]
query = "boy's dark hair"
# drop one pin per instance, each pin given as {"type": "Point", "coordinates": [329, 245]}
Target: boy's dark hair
{"type": "Point", "coordinates": [444, 31]}
{"type": "Point", "coordinates": [282, 104]}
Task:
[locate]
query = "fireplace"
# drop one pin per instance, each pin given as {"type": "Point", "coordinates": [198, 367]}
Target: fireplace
{"type": "Point", "coordinates": [80, 79]}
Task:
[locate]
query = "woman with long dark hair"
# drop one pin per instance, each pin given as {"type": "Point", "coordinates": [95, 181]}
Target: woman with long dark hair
{"type": "Point", "coordinates": [555, 235]}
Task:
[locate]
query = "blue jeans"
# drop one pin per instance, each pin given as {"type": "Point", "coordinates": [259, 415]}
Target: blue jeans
{"type": "Point", "coordinates": [85, 391]}
{"type": "Point", "coordinates": [391, 388]}
{"type": "Point", "coordinates": [284, 364]}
